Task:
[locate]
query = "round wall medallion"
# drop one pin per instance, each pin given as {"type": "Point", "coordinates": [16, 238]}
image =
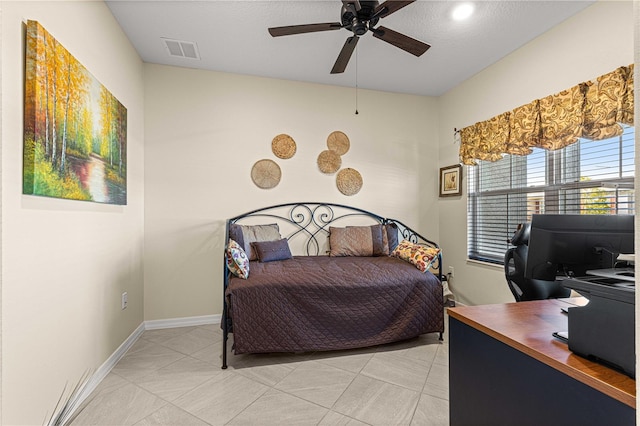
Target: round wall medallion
{"type": "Point", "coordinates": [283, 146]}
{"type": "Point", "coordinates": [349, 181]}
{"type": "Point", "coordinates": [338, 142]}
{"type": "Point", "coordinates": [266, 174]}
{"type": "Point", "coordinates": [329, 161]}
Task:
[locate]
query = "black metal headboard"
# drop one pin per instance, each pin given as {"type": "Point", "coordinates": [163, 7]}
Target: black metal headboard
{"type": "Point", "coordinates": [307, 224]}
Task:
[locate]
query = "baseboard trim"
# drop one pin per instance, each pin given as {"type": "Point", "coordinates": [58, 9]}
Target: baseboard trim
{"type": "Point", "coordinates": [96, 378]}
{"type": "Point", "coordinates": [182, 322]}
{"type": "Point", "coordinates": [111, 362]}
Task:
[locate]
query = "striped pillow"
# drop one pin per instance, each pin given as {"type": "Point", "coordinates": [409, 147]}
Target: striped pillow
{"type": "Point", "coordinates": [357, 241]}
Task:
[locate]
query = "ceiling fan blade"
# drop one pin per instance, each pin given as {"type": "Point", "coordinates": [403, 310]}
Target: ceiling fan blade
{"type": "Point", "coordinates": [301, 29]}
{"type": "Point", "coordinates": [406, 43]}
{"type": "Point", "coordinates": [345, 55]}
{"type": "Point", "coordinates": [389, 7]}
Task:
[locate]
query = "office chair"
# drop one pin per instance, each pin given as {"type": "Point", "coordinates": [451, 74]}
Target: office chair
{"type": "Point", "coordinates": [515, 261]}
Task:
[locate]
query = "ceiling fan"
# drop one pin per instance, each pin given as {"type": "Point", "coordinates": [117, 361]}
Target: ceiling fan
{"type": "Point", "coordinates": [360, 16]}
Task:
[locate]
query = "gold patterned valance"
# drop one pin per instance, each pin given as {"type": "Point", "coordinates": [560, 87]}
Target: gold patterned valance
{"type": "Point", "coordinates": [609, 101]}
{"type": "Point", "coordinates": [486, 140]}
{"type": "Point", "coordinates": [592, 110]}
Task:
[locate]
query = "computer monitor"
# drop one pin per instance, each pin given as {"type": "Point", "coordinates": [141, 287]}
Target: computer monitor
{"type": "Point", "coordinates": [569, 245]}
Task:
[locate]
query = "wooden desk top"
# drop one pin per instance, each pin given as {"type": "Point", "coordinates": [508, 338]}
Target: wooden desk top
{"type": "Point", "coordinates": [527, 327]}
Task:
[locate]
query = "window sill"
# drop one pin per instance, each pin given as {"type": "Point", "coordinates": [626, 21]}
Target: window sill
{"type": "Point", "coordinates": [491, 265]}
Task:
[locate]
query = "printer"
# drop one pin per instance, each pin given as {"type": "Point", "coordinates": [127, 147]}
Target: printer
{"type": "Point", "coordinates": [604, 329]}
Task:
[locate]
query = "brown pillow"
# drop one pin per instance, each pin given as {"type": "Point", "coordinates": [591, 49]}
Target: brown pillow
{"type": "Point", "coordinates": [268, 251]}
{"type": "Point", "coordinates": [244, 235]}
{"type": "Point", "coordinates": [357, 241]}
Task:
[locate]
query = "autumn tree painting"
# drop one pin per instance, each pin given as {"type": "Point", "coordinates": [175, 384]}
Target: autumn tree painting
{"type": "Point", "coordinates": [75, 130]}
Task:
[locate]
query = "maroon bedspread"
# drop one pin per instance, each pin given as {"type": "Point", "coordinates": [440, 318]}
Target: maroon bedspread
{"type": "Point", "coordinates": [317, 303]}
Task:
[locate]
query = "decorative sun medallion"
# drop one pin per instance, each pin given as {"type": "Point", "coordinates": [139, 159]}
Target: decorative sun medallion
{"type": "Point", "coordinates": [349, 181]}
{"type": "Point", "coordinates": [329, 161]}
{"type": "Point", "coordinates": [338, 142]}
{"type": "Point", "coordinates": [283, 146]}
{"type": "Point", "coordinates": [266, 174]}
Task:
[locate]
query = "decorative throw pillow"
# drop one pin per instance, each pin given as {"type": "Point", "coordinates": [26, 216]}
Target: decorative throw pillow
{"type": "Point", "coordinates": [391, 232]}
{"type": "Point", "coordinates": [420, 256]}
{"type": "Point", "coordinates": [268, 251]}
{"type": "Point", "coordinates": [389, 238]}
{"type": "Point", "coordinates": [237, 260]}
{"type": "Point", "coordinates": [385, 243]}
{"type": "Point", "coordinates": [247, 234]}
{"type": "Point", "coordinates": [356, 241]}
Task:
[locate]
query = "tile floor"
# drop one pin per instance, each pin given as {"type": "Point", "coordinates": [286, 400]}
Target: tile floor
{"type": "Point", "coordinates": [173, 377]}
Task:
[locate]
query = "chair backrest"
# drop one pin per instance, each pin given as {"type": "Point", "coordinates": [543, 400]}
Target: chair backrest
{"type": "Point", "coordinates": [515, 261]}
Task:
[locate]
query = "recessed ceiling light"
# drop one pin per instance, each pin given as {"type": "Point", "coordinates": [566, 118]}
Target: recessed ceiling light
{"type": "Point", "coordinates": [462, 11]}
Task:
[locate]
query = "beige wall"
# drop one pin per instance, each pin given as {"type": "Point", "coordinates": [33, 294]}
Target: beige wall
{"type": "Point", "coordinates": [66, 263]}
{"type": "Point", "coordinates": [205, 130]}
{"type": "Point", "coordinates": [592, 43]}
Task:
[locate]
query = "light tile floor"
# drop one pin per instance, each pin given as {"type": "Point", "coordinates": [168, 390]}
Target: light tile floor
{"type": "Point", "coordinates": [173, 377]}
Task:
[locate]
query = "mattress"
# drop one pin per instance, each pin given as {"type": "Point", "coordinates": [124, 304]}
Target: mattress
{"type": "Point", "coordinates": [321, 303]}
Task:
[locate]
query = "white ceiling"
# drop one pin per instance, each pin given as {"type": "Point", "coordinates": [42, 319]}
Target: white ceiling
{"type": "Point", "coordinates": [232, 36]}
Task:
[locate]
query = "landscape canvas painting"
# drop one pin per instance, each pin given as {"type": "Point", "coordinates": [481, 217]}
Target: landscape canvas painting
{"type": "Point", "coordinates": [75, 130]}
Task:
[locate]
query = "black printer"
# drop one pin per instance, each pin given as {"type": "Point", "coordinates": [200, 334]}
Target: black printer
{"type": "Point", "coordinates": [604, 329]}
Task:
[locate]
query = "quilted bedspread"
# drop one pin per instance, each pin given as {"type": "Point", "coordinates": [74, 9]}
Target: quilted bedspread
{"type": "Point", "coordinates": [318, 303]}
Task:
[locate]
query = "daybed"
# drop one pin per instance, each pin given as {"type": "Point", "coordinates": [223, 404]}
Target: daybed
{"type": "Point", "coordinates": [346, 286]}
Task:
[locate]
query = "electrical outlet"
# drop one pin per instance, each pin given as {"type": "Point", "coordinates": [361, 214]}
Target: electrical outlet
{"type": "Point", "coordinates": [451, 271]}
{"type": "Point", "coordinates": [124, 300]}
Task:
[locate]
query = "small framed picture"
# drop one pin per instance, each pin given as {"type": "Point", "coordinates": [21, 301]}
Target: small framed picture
{"type": "Point", "coordinates": [450, 181]}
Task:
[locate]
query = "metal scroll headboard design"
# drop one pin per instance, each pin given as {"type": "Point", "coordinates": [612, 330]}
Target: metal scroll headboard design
{"type": "Point", "coordinates": [310, 223]}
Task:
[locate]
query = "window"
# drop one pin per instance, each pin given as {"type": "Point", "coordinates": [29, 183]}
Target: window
{"type": "Point", "coordinates": [588, 177]}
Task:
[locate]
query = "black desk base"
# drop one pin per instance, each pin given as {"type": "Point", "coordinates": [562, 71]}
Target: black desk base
{"type": "Point", "coordinates": [491, 383]}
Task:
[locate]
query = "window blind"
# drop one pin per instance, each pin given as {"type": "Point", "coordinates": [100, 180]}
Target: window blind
{"type": "Point", "coordinates": [588, 177]}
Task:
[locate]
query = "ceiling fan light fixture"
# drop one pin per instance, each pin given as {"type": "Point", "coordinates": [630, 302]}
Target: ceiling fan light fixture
{"type": "Point", "coordinates": [358, 27]}
{"type": "Point", "coordinates": [462, 11]}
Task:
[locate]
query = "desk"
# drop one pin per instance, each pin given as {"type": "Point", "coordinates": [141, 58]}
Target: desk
{"type": "Point", "coordinates": [505, 368]}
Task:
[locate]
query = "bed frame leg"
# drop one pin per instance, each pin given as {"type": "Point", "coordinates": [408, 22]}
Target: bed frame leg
{"type": "Point", "coordinates": [441, 338]}
{"type": "Point", "coordinates": [224, 350]}
{"type": "Point", "coordinates": [225, 336]}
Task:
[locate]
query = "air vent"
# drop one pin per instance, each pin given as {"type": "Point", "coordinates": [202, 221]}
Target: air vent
{"type": "Point", "coordinates": [181, 49]}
